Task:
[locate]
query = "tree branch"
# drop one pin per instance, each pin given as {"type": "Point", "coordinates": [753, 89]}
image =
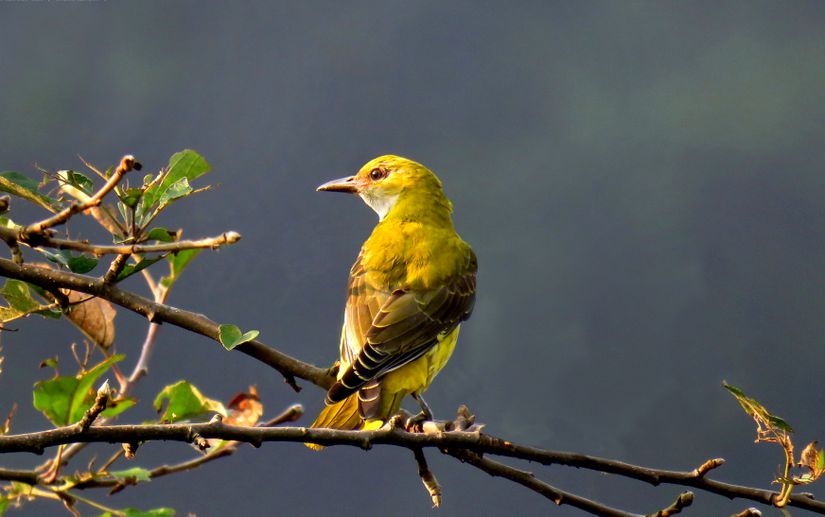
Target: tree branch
{"type": "Point", "coordinates": [127, 163]}
{"type": "Point", "coordinates": [452, 441]}
{"type": "Point", "coordinates": [223, 239]}
{"type": "Point", "coordinates": [155, 312]}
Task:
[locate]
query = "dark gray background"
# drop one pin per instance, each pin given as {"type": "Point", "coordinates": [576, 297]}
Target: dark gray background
{"type": "Point", "coordinates": [642, 183]}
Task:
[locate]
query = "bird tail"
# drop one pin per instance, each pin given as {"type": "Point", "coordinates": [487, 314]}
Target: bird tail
{"type": "Point", "coordinates": [341, 415]}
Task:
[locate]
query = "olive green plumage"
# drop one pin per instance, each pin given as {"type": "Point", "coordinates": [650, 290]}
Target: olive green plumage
{"type": "Point", "coordinates": [410, 288]}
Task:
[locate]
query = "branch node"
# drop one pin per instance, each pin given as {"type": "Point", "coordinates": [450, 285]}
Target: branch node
{"type": "Point", "coordinates": [684, 500]}
{"type": "Point", "coordinates": [129, 449]}
{"type": "Point", "coordinates": [707, 466]}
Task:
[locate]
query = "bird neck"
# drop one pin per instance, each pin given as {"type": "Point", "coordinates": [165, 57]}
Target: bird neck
{"type": "Point", "coordinates": [427, 207]}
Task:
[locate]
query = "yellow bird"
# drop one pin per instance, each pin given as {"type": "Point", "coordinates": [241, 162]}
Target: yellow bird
{"type": "Point", "coordinates": [410, 288]}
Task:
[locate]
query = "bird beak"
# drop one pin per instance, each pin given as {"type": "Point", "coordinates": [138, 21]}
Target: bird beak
{"type": "Point", "coordinates": [340, 185]}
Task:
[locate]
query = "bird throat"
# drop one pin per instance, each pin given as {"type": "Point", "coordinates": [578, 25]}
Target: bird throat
{"type": "Point", "coordinates": [381, 204]}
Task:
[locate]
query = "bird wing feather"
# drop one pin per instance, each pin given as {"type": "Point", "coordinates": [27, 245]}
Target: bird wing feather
{"type": "Point", "coordinates": [390, 330]}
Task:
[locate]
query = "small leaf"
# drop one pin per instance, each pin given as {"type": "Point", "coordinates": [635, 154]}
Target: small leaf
{"type": "Point", "coordinates": [163, 235]}
{"type": "Point", "coordinates": [175, 191]}
{"type": "Point", "coordinates": [65, 399]}
{"type": "Point", "coordinates": [184, 402]}
{"type": "Point", "coordinates": [136, 473]}
{"type": "Point", "coordinates": [4, 503]}
{"type": "Point", "coordinates": [95, 318]}
{"type": "Point", "coordinates": [131, 196]}
{"type": "Point", "coordinates": [186, 164]}
{"type": "Point", "coordinates": [177, 263]}
{"type": "Point", "coordinates": [117, 407]}
{"type": "Point", "coordinates": [82, 264]}
{"type": "Point", "coordinates": [76, 263]}
{"type": "Point", "coordinates": [131, 269]}
{"type": "Point", "coordinates": [18, 295]}
{"type": "Point", "coordinates": [22, 186]}
{"type": "Point", "coordinates": [757, 411]}
{"type": "Point", "coordinates": [230, 336]}
{"type": "Point", "coordinates": [813, 459]}
{"type": "Point", "coordinates": [78, 181]}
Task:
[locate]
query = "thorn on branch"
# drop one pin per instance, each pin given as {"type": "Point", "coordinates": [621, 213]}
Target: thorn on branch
{"type": "Point", "coordinates": [684, 500]}
{"type": "Point", "coordinates": [427, 477]}
{"type": "Point", "coordinates": [101, 399]}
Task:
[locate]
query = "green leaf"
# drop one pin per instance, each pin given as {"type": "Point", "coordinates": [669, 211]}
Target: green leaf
{"type": "Point", "coordinates": [185, 164]}
{"type": "Point", "coordinates": [130, 269]}
{"type": "Point", "coordinates": [78, 181]}
{"type": "Point", "coordinates": [136, 473]}
{"type": "Point", "coordinates": [82, 264]}
{"type": "Point", "coordinates": [230, 336]}
{"type": "Point", "coordinates": [177, 263]}
{"type": "Point", "coordinates": [175, 191]}
{"type": "Point", "coordinates": [134, 512]}
{"type": "Point", "coordinates": [118, 407]}
{"type": "Point", "coordinates": [76, 263]}
{"type": "Point", "coordinates": [184, 402]}
{"type": "Point", "coordinates": [4, 503]}
{"type": "Point", "coordinates": [163, 235]}
{"type": "Point", "coordinates": [22, 186]}
{"type": "Point", "coordinates": [756, 410]}
{"type": "Point", "coordinates": [18, 295]}
{"type": "Point", "coordinates": [130, 196]}
{"type": "Point", "coordinates": [65, 399]}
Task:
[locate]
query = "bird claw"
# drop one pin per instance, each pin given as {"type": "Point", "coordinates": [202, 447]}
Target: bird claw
{"type": "Point", "coordinates": [415, 423]}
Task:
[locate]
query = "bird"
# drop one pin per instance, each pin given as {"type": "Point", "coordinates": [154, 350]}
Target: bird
{"type": "Point", "coordinates": [412, 285]}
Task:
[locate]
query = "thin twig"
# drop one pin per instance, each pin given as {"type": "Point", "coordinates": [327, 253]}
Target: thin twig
{"type": "Point", "coordinates": [427, 477]}
{"type": "Point", "coordinates": [226, 238]}
{"type": "Point", "coordinates": [127, 163]}
{"type": "Point", "coordinates": [527, 479]}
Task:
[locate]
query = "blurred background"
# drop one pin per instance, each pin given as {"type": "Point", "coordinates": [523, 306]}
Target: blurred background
{"type": "Point", "coordinates": [642, 183]}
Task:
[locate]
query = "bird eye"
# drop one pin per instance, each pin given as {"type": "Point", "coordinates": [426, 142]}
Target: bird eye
{"type": "Point", "coordinates": [376, 174]}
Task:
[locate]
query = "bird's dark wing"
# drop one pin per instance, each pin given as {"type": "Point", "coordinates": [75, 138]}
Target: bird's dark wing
{"type": "Point", "coordinates": [403, 328]}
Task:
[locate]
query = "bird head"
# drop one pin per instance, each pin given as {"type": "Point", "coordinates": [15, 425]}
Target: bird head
{"type": "Point", "coordinates": [385, 181]}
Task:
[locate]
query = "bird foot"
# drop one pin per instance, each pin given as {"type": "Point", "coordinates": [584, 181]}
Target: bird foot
{"type": "Point", "coordinates": [415, 423]}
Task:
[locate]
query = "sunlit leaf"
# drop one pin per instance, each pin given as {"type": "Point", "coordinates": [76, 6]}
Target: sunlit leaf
{"type": "Point", "coordinates": [177, 263]}
{"type": "Point", "coordinates": [65, 399]}
{"type": "Point", "coordinates": [78, 180]}
{"type": "Point", "coordinates": [811, 458]}
{"type": "Point", "coordinates": [131, 269]}
{"type": "Point", "coordinates": [757, 411]}
{"type": "Point", "coordinates": [18, 295]}
{"type": "Point", "coordinates": [183, 401]}
{"type": "Point", "coordinates": [175, 191]}
{"type": "Point", "coordinates": [95, 318]}
{"type": "Point", "coordinates": [245, 409]}
{"type": "Point", "coordinates": [22, 186]}
{"type": "Point", "coordinates": [231, 336]}
{"type": "Point", "coordinates": [163, 235]}
{"type": "Point", "coordinates": [136, 473]}
{"type": "Point", "coordinates": [186, 164]}
{"type": "Point", "coordinates": [117, 407]}
{"type": "Point", "coordinates": [131, 196]}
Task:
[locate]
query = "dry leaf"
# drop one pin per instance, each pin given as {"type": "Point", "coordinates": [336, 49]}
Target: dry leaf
{"type": "Point", "coordinates": [94, 317]}
{"type": "Point", "coordinates": [812, 458]}
{"type": "Point", "coordinates": [101, 215]}
{"type": "Point", "coordinates": [245, 409]}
